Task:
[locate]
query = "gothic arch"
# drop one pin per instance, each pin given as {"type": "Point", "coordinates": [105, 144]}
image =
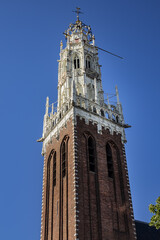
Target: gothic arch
{"type": "Point", "coordinates": [118, 178]}
{"type": "Point", "coordinates": [63, 210]}
{"type": "Point", "coordinates": [88, 56]}
{"type": "Point", "coordinates": [64, 155]}
{"type": "Point", "coordinates": [117, 160]}
{"type": "Point", "coordinates": [65, 139]}
{"type": "Point", "coordinates": [75, 54]}
{"type": "Point", "coordinates": [76, 61]}
{"type": "Point", "coordinates": [50, 184]}
{"type": "Point", "coordinates": [88, 61]}
{"type": "Point", "coordinates": [93, 184]}
{"type": "Point", "coordinates": [87, 134]}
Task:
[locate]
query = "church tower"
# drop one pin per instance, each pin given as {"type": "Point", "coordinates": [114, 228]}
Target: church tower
{"type": "Point", "coordinates": [86, 191]}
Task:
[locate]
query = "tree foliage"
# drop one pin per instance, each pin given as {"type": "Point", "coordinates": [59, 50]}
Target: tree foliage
{"type": "Point", "coordinates": [155, 209]}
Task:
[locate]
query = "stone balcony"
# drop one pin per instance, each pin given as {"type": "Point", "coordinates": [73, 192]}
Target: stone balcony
{"type": "Point", "coordinates": [110, 112]}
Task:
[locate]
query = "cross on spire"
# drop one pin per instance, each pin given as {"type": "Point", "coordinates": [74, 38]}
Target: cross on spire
{"type": "Point", "coordinates": [78, 12]}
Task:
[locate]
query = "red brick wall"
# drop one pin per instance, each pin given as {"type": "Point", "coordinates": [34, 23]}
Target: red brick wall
{"type": "Point", "coordinates": [113, 220]}
{"type": "Point", "coordinates": [56, 144]}
{"type": "Point", "coordinates": [104, 204]}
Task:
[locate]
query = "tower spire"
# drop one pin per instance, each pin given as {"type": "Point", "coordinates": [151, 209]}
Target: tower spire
{"type": "Point", "coordinates": [84, 136]}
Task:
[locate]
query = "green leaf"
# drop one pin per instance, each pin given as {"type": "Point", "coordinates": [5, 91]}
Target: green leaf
{"type": "Point", "coordinates": [155, 209]}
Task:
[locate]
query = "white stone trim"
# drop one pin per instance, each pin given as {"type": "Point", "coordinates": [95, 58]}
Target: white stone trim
{"type": "Point", "coordinates": [87, 116]}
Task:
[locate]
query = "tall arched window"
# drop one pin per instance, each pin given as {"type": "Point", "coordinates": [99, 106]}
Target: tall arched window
{"type": "Point", "coordinates": [54, 169]}
{"type": "Point", "coordinates": [76, 63]}
{"type": "Point", "coordinates": [50, 184]}
{"type": "Point", "coordinates": [64, 158]}
{"type": "Point", "coordinates": [63, 187]}
{"type": "Point", "coordinates": [93, 208]}
{"type": "Point", "coordinates": [109, 161]}
{"type": "Point", "coordinates": [88, 62]}
{"type": "Point", "coordinates": [91, 154]}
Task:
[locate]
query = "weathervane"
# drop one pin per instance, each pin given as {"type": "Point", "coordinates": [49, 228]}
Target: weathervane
{"type": "Point", "coordinates": [78, 12]}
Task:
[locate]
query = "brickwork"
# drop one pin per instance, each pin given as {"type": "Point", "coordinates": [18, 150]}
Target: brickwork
{"type": "Point", "coordinates": [87, 205]}
{"type": "Point", "coordinates": [63, 213]}
{"type": "Point", "coordinates": [110, 215]}
{"type": "Point", "coordinates": [86, 191]}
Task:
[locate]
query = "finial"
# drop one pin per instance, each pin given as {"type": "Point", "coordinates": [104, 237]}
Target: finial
{"type": "Point", "coordinates": [108, 101]}
{"type": "Point", "coordinates": [117, 94]}
{"type": "Point", "coordinates": [47, 105]}
{"type": "Point", "coordinates": [73, 89]}
{"type": "Point", "coordinates": [61, 45]}
{"type": "Point", "coordinates": [78, 12]}
{"type": "Point", "coordinates": [109, 108]}
{"type": "Point", "coordinates": [52, 108]}
{"type": "Point", "coordinates": [93, 39]}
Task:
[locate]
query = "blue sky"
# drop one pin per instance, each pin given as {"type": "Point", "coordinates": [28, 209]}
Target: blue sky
{"type": "Point", "coordinates": [31, 32]}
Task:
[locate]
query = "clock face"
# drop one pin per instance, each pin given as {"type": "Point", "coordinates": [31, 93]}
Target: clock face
{"type": "Point", "coordinates": [76, 39]}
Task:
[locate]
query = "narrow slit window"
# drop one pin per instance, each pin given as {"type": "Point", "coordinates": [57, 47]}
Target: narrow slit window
{"type": "Point", "coordinates": [76, 63]}
{"type": "Point", "coordinates": [94, 110]}
{"type": "Point", "coordinates": [91, 154]}
{"type": "Point", "coordinates": [54, 169]}
{"type": "Point", "coordinates": [109, 161]}
{"type": "Point", "coordinates": [117, 119]}
{"type": "Point", "coordinates": [102, 113]}
{"type": "Point", "coordinates": [63, 159]}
